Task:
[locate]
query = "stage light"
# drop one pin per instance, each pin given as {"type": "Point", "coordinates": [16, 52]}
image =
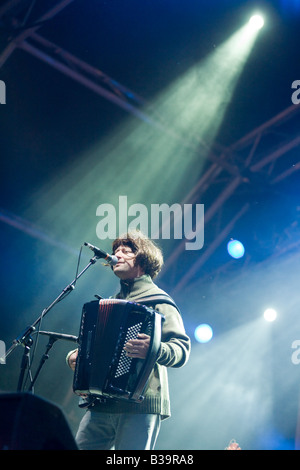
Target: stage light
{"type": "Point", "coordinates": [188, 115]}
{"type": "Point", "coordinates": [236, 249]}
{"type": "Point", "coordinates": [270, 314]}
{"type": "Point", "coordinates": [256, 22]}
{"type": "Point", "coordinates": [203, 333]}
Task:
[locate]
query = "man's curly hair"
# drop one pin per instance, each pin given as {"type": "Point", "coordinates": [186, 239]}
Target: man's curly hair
{"type": "Point", "coordinates": [148, 255]}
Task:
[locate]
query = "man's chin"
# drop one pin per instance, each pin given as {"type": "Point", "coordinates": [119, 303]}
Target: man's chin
{"type": "Point", "coordinates": [118, 271]}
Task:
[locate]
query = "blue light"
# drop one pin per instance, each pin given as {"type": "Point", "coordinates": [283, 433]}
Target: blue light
{"type": "Point", "coordinates": [291, 7]}
{"type": "Point", "coordinates": [235, 249]}
{"type": "Point", "coordinates": [203, 333]}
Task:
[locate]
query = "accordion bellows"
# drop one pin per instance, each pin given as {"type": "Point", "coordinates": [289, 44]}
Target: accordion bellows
{"type": "Point", "coordinates": [103, 369]}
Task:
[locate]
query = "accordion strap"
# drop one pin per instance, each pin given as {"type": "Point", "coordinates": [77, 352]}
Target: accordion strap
{"type": "Point", "coordinates": [157, 299]}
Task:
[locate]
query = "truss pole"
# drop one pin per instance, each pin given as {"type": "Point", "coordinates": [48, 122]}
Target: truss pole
{"type": "Point", "coordinates": [27, 32]}
{"type": "Point", "coordinates": [275, 155]}
{"type": "Point", "coordinates": [210, 250]}
{"type": "Point", "coordinates": [87, 82]}
{"type": "Point", "coordinates": [207, 216]}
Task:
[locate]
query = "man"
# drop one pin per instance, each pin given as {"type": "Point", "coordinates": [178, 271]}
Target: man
{"type": "Point", "coordinates": [119, 424]}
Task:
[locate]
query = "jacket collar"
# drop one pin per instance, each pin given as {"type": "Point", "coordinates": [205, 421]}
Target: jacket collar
{"type": "Point", "coordinates": [135, 287]}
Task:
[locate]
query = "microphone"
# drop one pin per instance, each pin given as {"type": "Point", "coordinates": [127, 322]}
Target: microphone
{"type": "Point", "coordinates": [110, 259]}
{"type": "Point", "coordinates": [59, 336]}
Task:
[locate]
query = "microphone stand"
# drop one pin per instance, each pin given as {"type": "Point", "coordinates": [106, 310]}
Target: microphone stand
{"type": "Point", "coordinates": [25, 338]}
{"type": "Point", "coordinates": [53, 337]}
{"type": "Point", "coordinates": [45, 356]}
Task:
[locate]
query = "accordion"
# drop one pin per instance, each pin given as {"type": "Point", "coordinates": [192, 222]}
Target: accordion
{"type": "Point", "coordinates": [103, 369]}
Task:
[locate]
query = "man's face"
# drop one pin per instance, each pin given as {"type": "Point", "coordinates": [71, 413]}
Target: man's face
{"type": "Point", "coordinates": [126, 268]}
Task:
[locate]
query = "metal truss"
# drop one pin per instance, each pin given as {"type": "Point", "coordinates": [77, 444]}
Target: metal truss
{"type": "Point", "coordinates": [260, 158]}
{"type": "Point", "coordinates": [24, 36]}
{"type": "Point", "coordinates": [14, 15]}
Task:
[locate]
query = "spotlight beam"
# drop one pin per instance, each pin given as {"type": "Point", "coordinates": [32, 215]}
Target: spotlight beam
{"type": "Point", "coordinates": [194, 107]}
{"type": "Point", "coordinates": [256, 22]}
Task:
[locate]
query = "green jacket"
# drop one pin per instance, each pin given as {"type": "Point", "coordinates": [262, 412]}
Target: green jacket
{"type": "Point", "coordinates": [174, 352]}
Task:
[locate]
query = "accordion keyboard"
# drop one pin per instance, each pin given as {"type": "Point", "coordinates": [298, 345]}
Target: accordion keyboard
{"type": "Point", "coordinates": [124, 363]}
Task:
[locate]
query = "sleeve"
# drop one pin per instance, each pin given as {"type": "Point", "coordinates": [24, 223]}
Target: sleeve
{"type": "Point", "coordinates": [175, 343]}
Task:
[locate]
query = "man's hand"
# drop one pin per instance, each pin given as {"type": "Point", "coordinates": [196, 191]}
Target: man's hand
{"type": "Point", "coordinates": [138, 348]}
{"type": "Point", "coordinates": [72, 359]}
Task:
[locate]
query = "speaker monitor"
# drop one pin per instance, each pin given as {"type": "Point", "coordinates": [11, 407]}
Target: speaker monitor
{"type": "Point", "coordinates": [28, 422]}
